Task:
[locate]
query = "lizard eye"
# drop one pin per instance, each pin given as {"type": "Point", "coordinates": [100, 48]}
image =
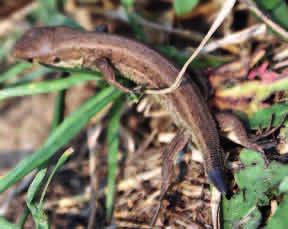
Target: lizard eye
{"type": "Point", "coordinates": [56, 60]}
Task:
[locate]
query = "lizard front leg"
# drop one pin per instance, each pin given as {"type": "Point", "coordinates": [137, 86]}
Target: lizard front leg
{"type": "Point", "coordinates": [232, 128]}
{"type": "Point", "coordinates": [108, 73]}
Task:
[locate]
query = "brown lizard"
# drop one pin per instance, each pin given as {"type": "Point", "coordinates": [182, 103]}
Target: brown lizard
{"type": "Point", "coordinates": [69, 48]}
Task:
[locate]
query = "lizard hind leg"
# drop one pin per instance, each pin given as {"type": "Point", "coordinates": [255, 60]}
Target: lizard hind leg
{"type": "Point", "coordinates": [168, 175]}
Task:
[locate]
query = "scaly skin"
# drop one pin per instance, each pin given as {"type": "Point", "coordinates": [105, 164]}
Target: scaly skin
{"type": "Point", "coordinates": [65, 47]}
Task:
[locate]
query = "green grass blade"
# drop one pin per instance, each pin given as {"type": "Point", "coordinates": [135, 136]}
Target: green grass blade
{"type": "Point", "coordinates": [14, 71]}
{"type": "Point", "coordinates": [60, 137]}
{"type": "Point", "coordinates": [58, 117]}
{"type": "Point", "coordinates": [27, 78]}
{"type": "Point", "coordinates": [58, 114]}
{"type": "Point", "coordinates": [64, 157]}
{"type": "Point", "coordinates": [23, 218]}
{"type": "Point", "coordinates": [45, 87]}
{"type": "Point", "coordinates": [113, 145]}
{"type": "Point", "coordinates": [36, 209]}
{"type": "Point", "coordinates": [38, 215]}
{"type": "Point", "coordinates": [35, 186]}
{"type": "Point", "coordinates": [7, 225]}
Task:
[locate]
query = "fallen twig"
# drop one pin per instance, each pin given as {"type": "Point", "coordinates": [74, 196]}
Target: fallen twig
{"type": "Point", "coordinates": [225, 10]}
{"type": "Point", "coordinates": [9, 23]}
{"type": "Point", "coordinates": [236, 38]}
{"type": "Point", "coordinates": [277, 28]}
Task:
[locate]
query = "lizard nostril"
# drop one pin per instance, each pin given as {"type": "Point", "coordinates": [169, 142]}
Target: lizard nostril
{"type": "Point", "coordinates": [56, 60]}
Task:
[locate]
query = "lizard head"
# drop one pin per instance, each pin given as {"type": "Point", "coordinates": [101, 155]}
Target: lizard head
{"type": "Point", "coordinates": [35, 44]}
{"type": "Point", "coordinates": [48, 46]}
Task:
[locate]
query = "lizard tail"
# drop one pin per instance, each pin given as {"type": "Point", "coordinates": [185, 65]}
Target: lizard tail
{"type": "Point", "coordinates": [217, 178]}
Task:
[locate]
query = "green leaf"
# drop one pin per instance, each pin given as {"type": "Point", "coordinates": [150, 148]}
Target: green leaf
{"type": "Point", "coordinates": [184, 6]}
{"type": "Point", "coordinates": [280, 15]}
{"type": "Point", "coordinates": [276, 10]}
{"type": "Point", "coordinates": [113, 145]}
{"type": "Point", "coordinates": [262, 118]}
{"type": "Point", "coordinates": [45, 86]}
{"type": "Point", "coordinates": [257, 179]}
{"type": "Point", "coordinates": [268, 4]}
{"type": "Point", "coordinates": [256, 183]}
{"type": "Point", "coordinates": [279, 220]}
{"type": "Point", "coordinates": [49, 4]}
{"type": "Point", "coordinates": [60, 137]}
{"type": "Point", "coordinates": [253, 178]}
{"type": "Point", "coordinates": [253, 219]}
{"type": "Point", "coordinates": [239, 212]}
{"type": "Point", "coordinates": [283, 187]}
{"type": "Point", "coordinates": [256, 89]}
